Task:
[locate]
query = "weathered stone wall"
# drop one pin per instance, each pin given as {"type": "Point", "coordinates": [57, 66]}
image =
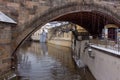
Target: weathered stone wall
{"type": "Point", "coordinates": [66, 43]}
{"type": "Point", "coordinates": [5, 33]}
{"type": "Point", "coordinates": [32, 14]}
{"type": "Point", "coordinates": [5, 47]}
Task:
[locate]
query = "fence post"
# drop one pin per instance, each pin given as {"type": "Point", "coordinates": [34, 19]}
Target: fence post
{"type": "Point", "coordinates": [118, 42]}
{"type": "Point", "coordinates": [106, 42]}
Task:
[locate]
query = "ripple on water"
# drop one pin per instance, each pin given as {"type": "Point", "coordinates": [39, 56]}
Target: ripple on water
{"type": "Point", "coordinates": [35, 64]}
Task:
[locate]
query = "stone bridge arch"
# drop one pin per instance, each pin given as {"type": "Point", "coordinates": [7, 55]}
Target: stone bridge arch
{"type": "Point", "coordinates": [56, 12]}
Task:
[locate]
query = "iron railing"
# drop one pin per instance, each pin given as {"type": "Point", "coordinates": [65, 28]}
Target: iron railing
{"type": "Point", "coordinates": [107, 44]}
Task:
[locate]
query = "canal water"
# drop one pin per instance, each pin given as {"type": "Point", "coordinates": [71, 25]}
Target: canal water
{"type": "Point", "coordinates": [41, 61]}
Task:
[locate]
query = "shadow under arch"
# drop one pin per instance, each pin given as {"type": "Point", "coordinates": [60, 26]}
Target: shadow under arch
{"type": "Point", "coordinates": [57, 13]}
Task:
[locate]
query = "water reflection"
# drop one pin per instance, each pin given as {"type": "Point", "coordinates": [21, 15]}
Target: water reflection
{"type": "Point", "coordinates": [44, 48]}
{"type": "Point", "coordinates": [41, 61]}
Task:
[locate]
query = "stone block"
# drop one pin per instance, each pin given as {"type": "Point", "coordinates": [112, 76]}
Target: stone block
{"type": "Point", "coordinates": [5, 33]}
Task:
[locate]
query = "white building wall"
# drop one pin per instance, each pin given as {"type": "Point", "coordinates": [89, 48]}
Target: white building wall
{"type": "Point", "coordinates": [36, 36]}
{"type": "Point", "coordinates": [103, 66]}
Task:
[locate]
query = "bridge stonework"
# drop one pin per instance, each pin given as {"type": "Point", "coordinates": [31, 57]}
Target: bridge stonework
{"type": "Point", "coordinates": [32, 14]}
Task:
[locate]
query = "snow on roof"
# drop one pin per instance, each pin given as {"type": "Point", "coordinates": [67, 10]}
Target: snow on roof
{"type": "Point", "coordinates": [54, 24]}
{"type": "Point", "coordinates": [5, 18]}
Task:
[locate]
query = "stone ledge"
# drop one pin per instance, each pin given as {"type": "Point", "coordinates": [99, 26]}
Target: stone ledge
{"type": "Point", "coordinates": [107, 51]}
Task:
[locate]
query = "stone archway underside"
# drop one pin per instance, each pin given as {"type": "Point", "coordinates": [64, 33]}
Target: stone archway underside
{"type": "Point", "coordinates": [93, 22]}
{"type": "Point", "coordinates": [92, 17]}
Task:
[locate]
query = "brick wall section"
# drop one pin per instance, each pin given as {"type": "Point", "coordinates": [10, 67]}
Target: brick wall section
{"type": "Point", "coordinates": [5, 33]}
{"type": "Point", "coordinates": [5, 59]}
{"type": "Point", "coordinates": [5, 47]}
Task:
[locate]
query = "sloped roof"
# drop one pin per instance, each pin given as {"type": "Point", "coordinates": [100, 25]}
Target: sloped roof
{"type": "Point", "coordinates": [5, 18]}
